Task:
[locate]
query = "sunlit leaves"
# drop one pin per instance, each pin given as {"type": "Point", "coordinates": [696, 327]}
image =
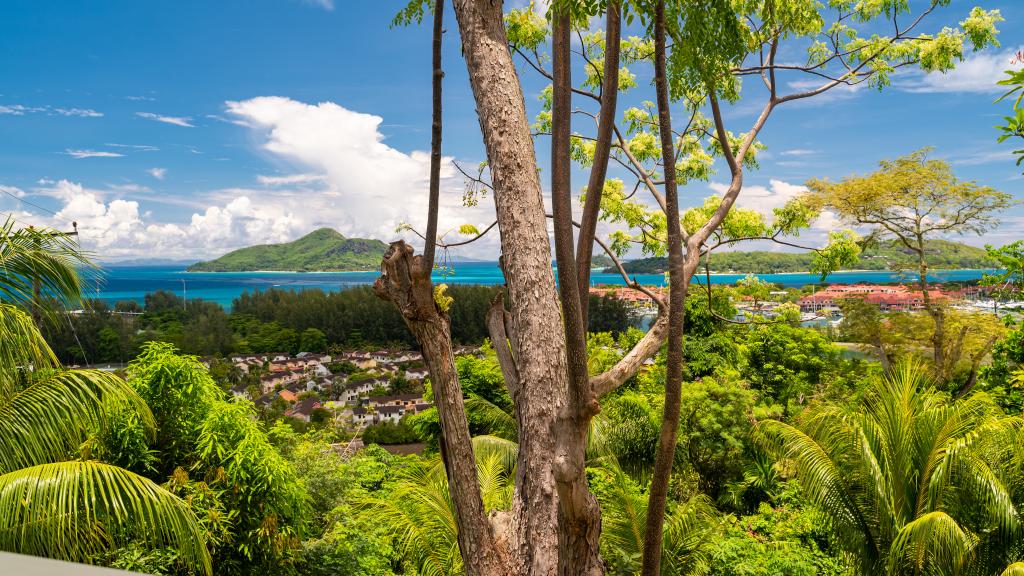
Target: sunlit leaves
{"type": "Point", "coordinates": [647, 221]}
{"type": "Point", "coordinates": [441, 297]}
{"type": "Point", "coordinates": [980, 27]}
{"type": "Point", "coordinates": [637, 119]}
{"type": "Point", "coordinates": [942, 51]}
{"type": "Point", "coordinates": [468, 230]}
{"type": "Point", "coordinates": [795, 215]}
{"type": "Point", "coordinates": [644, 146]}
{"type": "Point", "coordinates": [636, 49]}
{"type": "Point", "coordinates": [739, 223]}
{"type": "Point", "coordinates": [525, 28]}
{"type": "Point", "coordinates": [581, 150]}
{"type": "Point", "coordinates": [841, 251]}
{"type": "Point", "coordinates": [412, 13]}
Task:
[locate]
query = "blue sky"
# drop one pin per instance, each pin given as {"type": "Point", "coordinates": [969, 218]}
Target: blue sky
{"type": "Point", "coordinates": [189, 128]}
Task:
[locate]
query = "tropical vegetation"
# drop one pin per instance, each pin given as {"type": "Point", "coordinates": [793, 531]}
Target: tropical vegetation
{"type": "Point", "coordinates": [59, 496]}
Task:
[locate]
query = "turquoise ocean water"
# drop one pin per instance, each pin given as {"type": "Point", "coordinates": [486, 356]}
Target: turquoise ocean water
{"type": "Point", "coordinates": [134, 282]}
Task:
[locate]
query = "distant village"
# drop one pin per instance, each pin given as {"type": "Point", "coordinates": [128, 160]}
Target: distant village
{"type": "Point", "coordinates": [364, 393]}
{"type": "Point", "coordinates": [824, 304]}
{"type": "Point", "coordinates": [305, 384]}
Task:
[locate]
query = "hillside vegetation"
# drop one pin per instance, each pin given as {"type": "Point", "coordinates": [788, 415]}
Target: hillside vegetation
{"type": "Point", "coordinates": [323, 250]}
{"type": "Point", "coordinates": [942, 255]}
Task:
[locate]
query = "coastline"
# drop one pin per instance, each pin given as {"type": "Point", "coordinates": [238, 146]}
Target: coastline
{"type": "Point", "coordinates": [810, 273]}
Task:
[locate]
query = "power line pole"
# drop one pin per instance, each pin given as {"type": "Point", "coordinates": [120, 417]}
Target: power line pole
{"type": "Point", "coordinates": [37, 312]}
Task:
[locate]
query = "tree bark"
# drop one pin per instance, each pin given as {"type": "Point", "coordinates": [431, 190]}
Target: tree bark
{"type": "Point", "coordinates": [933, 310]}
{"type": "Point", "coordinates": [579, 515]}
{"type": "Point", "coordinates": [526, 253]}
{"type": "Point", "coordinates": [602, 150]}
{"type": "Point", "coordinates": [676, 307]}
{"type": "Point", "coordinates": [435, 136]}
{"type": "Point", "coordinates": [405, 280]}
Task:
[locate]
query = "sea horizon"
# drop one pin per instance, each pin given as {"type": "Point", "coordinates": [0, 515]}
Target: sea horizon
{"type": "Point", "coordinates": [121, 283]}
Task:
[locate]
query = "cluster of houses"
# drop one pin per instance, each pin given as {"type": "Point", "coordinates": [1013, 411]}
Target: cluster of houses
{"type": "Point", "coordinates": [377, 409]}
{"type": "Point", "coordinates": [359, 401]}
{"type": "Point", "coordinates": [888, 298]}
{"type": "Point", "coordinates": [634, 299]}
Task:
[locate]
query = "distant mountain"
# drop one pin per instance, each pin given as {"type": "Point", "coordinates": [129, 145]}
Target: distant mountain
{"type": "Point", "coordinates": [323, 250]}
{"type": "Point", "coordinates": [886, 255]}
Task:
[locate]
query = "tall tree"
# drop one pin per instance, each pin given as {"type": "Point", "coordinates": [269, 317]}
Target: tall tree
{"type": "Point", "coordinates": [553, 526]}
{"type": "Point", "coordinates": [914, 199]}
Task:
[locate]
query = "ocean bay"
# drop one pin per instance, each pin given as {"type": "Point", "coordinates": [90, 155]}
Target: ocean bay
{"type": "Point", "coordinates": [117, 283]}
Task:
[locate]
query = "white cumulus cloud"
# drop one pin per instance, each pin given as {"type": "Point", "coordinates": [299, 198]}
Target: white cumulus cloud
{"type": "Point", "coordinates": [12, 191]}
{"type": "Point", "coordinates": [289, 179]}
{"type": "Point", "coordinates": [355, 182]}
{"type": "Point", "coordinates": [158, 173]}
{"type": "Point", "coordinates": [335, 170]}
{"type": "Point", "coordinates": [764, 199]}
{"type": "Point", "coordinates": [116, 228]}
{"type": "Point", "coordinates": [978, 73]}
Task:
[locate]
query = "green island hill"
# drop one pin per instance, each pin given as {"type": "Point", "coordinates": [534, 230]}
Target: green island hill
{"type": "Point", "coordinates": [323, 250]}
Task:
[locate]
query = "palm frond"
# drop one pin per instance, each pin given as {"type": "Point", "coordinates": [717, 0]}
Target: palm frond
{"type": "Point", "coordinates": [49, 257]}
{"type": "Point", "coordinates": [823, 481]}
{"type": "Point", "coordinates": [496, 484]}
{"type": "Point", "coordinates": [420, 515]}
{"type": "Point", "coordinates": [23, 350]}
{"type": "Point", "coordinates": [75, 510]}
{"type": "Point", "coordinates": [48, 421]}
{"type": "Point", "coordinates": [934, 539]}
{"type": "Point", "coordinates": [690, 533]}
{"type": "Point", "coordinates": [498, 422]}
{"type": "Point", "coordinates": [624, 515]}
{"type": "Point", "coordinates": [506, 451]}
{"type": "Point", "coordinates": [1015, 569]}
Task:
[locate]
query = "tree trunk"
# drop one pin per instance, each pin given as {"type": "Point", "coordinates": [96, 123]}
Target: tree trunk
{"type": "Point", "coordinates": [435, 135]}
{"type": "Point", "coordinates": [579, 515]}
{"type": "Point", "coordinates": [602, 149]}
{"type": "Point", "coordinates": [678, 281]}
{"type": "Point", "coordinates": [934, 310]}
{"type": "Point", "coordinates": [535, 316]}
{"type": "Point", "coordinates": [405, 280]}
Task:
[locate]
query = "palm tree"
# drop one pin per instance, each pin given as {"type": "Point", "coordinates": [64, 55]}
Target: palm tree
{"type": "Point", "coordinates": [691, 528]}
{"type": "Point", "coordinates": [54, 500]}
{"type": "Point", "coordinates": [910, 481]}
{"type": "Point", "coordinates": [420, 515]}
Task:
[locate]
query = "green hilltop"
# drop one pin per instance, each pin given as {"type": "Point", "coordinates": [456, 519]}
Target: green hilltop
{"type": "Point", "coordinates": [886, 255]}
{"type": "Point", "coordinates": [323, 250]}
